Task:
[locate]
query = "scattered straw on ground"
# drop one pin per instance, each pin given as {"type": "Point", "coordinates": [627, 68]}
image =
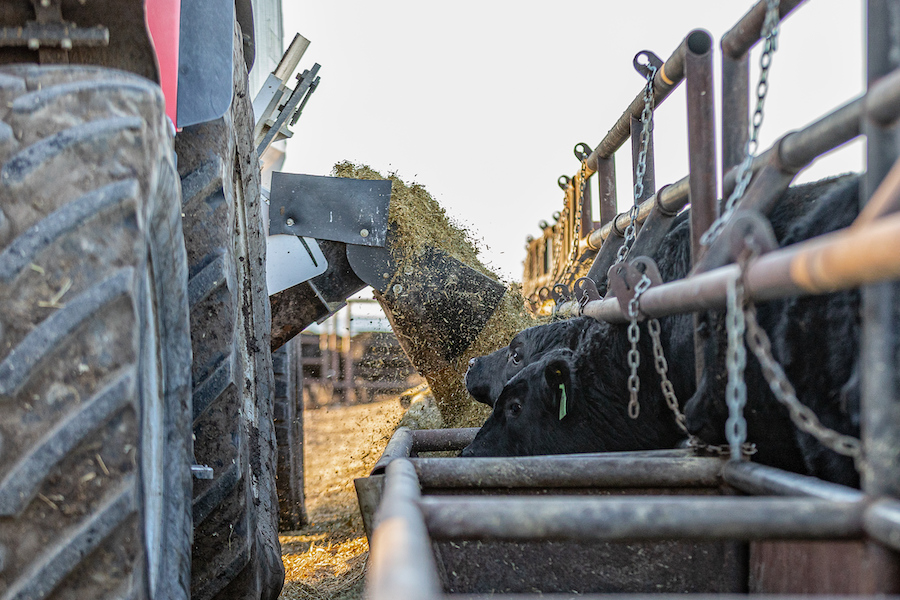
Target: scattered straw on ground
{"type": "Point", "coordinates": [326, 560]}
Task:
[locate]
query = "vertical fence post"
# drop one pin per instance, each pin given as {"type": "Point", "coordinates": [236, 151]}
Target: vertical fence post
{"type": "Point", "coordinates": [880, 339]}
{"type": "Point", "coordinates": [324, 357]}
{"type": "Point", "coordinates": [347, 351]}
{"type": "Point", "coordinates": [701, 137]}
{"type": "Point", "coordinates": [335, 355]}
{"type": "Point", "coordinates": [701, 110]}
{"type": "Point", "coordinates": [735, 108]}
{"type": "Point", "coordinates": [606, 188]}
{"type": "Point", "coordinates": [587, 211]}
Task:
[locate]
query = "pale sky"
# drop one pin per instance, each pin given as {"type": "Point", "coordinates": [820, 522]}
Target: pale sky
{"type": "Point", "coordinates": [482, 102]}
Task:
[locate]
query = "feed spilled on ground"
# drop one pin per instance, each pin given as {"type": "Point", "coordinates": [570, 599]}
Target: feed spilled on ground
{"type": "Point", "coordinates": [326, 560]}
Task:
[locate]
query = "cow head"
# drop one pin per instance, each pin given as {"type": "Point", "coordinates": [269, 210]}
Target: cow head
{"type": "Point", "coordinates": [488, 374]}
{"type": "Point", "coordinates": [533, 412]}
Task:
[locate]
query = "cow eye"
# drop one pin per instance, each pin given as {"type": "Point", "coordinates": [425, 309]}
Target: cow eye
{"type": "Point", "coordinates": [514, 408]}
{"type": "Point", "coordinates": [515, 357]}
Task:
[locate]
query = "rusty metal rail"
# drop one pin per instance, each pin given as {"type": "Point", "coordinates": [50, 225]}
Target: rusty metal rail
{"type": "Point", "coordinates": [741, 38]}
{"type": "Point", "coordinates": [408, 523]}
{"type": "Point", "coordinates": [795, 150]}
{"type": "Point", "coordinates": [624, 470]}
{"type": "Point", "coordinates": [639, 518]}
{"type": "Point", "coordinates": [583, 499]}
{"type": "Point", "coordinates": [841, 260]}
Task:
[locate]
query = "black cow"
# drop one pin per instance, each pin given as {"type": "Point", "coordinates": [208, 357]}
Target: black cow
{"type": "Point", "coordinates": [525, 419]}
{"type": "Point", "coordinates": [487, 375]}
{"type": "Point", "coordinates": [816, 340]}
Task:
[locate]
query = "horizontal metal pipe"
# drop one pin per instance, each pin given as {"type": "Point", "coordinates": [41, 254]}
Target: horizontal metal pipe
{"type": "Point", "coordinates": [797, 149]}
{"type": "Point", "coordinates": [594, 470]}
{"type": "Point", "coordinates": [399, 446]}
{"type": "Point", "coordinates": [741, 38]}
{"type": "Point", "coordinates": [639, 518]}
{"type": "Point", "coordinates": [666, 79]}
{"type": "Point", "coordinates": [667, 596]}
{"type": "Point", "coordinates": [672, 198]}
{"type": "Point", "coordinates": [442, 440]}
{"type": "Point", "coordinates": [882, 521]}
{"type": "Point", "coordinates": [759, 480]}
{"type": "Point", "coordinates": [746, 32]}
{"type": "Point", "coordinates": [841, 260]}
{"type": "Point", "coordinates": [401, 563]}
{"type": "Point", "coordinates": [884, 200]}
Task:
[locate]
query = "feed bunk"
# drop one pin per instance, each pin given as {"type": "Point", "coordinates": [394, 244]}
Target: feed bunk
{"type": "Point", "coordinates": [548, 524]}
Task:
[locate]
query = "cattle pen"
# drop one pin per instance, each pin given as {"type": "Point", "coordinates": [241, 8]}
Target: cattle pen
{"type": "Point", "coordinates": [674, 521]}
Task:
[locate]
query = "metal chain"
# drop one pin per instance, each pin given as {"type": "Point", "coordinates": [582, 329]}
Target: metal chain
{"type": "Point", "coordinates": [770, 30]}
{"type": "Point", "coordinates": [560, 234]}
{"type": "Point", "coordinates": [802, 416]}
{"type": "Point", "coordinates": [662, 367]}
{"type": "Point", "coordinates": [736, 361]}
{"type": "Point", "coordinates": [641, 169]}
{"type": "Point", "coordinates": [747, 449]}
{"type": "Point", "coordinates": [634, 357]}
{"type": "Point", "coordinates": [568, 274]}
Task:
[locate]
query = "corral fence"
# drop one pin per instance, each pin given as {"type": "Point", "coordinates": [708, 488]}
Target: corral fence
{"type": "Point", "coordinates": [345, 364]}
{"type": "Point", "coordinates": [670, 521]}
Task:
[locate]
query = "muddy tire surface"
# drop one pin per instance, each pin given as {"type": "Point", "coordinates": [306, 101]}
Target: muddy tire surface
{"type": "Point", "coordinates": [236, 554]}
{"type": "Point", "coordinates": [94, 340]}
{"type": "Point", "coordinates": [289, 434]}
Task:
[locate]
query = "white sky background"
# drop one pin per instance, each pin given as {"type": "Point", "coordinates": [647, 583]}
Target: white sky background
{"type": "Point", "coordinates": [482, 102]}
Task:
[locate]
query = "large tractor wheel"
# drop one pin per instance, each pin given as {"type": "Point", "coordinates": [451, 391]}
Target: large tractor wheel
{"type": "Point", "coordinates": [94, 340]}
{"type": "Point", "coordinates": [236, 553]}
{"type": "Point", "coordinates": [289, 434]}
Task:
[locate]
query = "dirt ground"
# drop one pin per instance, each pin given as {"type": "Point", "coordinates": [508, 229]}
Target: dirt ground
{"type": "Point", "coordinates": [326, 560]}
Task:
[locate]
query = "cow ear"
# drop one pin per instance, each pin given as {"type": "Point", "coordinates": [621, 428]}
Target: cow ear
{"type": "Point", "coordinates": [558, 373]}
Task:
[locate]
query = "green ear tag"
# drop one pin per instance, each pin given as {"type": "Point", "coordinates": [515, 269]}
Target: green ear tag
{"type": "Point", "coordinates": [562, 401]}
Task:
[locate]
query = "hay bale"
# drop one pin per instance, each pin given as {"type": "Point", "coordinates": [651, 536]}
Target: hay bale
{"type": "Point", "coordinates": [419, 224]}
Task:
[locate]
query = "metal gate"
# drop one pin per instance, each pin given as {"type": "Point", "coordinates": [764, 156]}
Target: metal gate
{"type": "Point", "coordinates": [669, 521]}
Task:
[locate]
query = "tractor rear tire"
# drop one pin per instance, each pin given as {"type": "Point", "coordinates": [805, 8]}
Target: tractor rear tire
{"type": "Point", "coordinates": [95, 360]}
{"type": "Point", "coordinates": [289, 434]}
{"type": "Point", "coordinates": [236, 553]}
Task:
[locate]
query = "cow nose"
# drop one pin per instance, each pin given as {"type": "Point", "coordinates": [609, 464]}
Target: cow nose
{"type": "Point", "coordinates": [472, 362]}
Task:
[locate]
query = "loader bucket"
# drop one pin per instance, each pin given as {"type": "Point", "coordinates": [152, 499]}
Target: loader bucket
{"type": "Point", "coordinates": [440, 307]}
{"type": "Point", "coordinates": [437, 306]}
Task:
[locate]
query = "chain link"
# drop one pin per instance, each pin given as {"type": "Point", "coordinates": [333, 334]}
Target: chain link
{"type": "Point", "coordinates": [662, 367]}
{"type": "Point", "coordinates": [571, 269]}
{"type": "Point", "coordinates": [735, 361]}
{"type": "Point", "coordinates": [641, 169]}
{"type": "Point", "coordinates": [634, 357]}
{"type": "Point", "coordinates": [802, 416]}
{"type": "Point", "coordinates": [747, 449]}
{"type": "Point", "coordinates": [769, 32]}
{"type": "Point", "coordinates": [560, 234]}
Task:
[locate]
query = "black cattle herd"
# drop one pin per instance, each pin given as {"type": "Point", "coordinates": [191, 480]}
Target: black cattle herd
{"type": "Point", "coordinates": [562, 387]}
